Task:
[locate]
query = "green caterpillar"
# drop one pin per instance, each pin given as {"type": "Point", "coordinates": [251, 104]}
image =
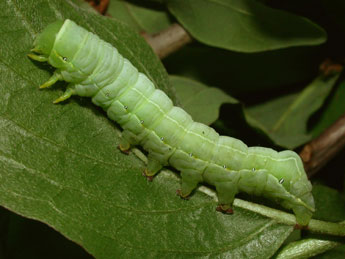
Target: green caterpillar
{"type": "Point", "coordinates": [148, 117]}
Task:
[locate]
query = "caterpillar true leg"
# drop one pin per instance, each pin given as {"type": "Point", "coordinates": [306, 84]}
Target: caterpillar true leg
{"type": "Point", "coordinates": [67, 94]}
{"type": "Point", "coordinates": [38, 58]}
{"type": "Point", "coordinates": [52, 80]}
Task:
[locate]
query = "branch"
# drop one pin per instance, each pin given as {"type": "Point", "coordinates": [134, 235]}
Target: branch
{"type": "Point", "coordinates": [319, 151]}
{"type": "Point", "coordinates": [316, 226]}
{"type": "Point", "coordinates": [168, 41]}
{"type": "Point", "coordinates": [163, 43]}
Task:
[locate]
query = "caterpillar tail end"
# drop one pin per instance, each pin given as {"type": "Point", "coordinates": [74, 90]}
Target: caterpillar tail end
{"type": "Point", "coordinates": [303, 215]}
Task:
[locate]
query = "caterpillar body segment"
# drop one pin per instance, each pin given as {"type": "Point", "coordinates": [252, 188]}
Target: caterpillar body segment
{"type": "Point", "coordinates": [148, 117]}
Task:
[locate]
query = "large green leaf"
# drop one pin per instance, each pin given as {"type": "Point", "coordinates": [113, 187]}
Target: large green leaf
{"type": "Point", "coordinates": [285, 119]}
{"type": "Point", "coordinates": [59, 163]}
{"type": "Point", "coordinates": [244, 25]}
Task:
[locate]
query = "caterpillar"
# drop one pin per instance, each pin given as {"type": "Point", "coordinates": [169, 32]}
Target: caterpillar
{"type": "Point", "coordinates": [96, 69]}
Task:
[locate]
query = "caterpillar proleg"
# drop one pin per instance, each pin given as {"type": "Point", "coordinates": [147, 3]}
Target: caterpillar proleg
{"type": "Point", "coordinates": [95, 69]}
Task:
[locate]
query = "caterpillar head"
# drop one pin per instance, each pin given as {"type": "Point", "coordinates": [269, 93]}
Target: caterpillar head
{"type": "Point", "coordinates": [44, 42]}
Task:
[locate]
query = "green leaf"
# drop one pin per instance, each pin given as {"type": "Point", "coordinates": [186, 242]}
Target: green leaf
{"type": "Point", "coordinates": [140, 18]}
{"type": "Point", "coordinates": [306, 248]}
{"type": "Point", "coordinates": [201, 102]}
{"type": "Point", "coordinates": [244, 26]}
{"type": "Point", "coordinates": [336, 253]}
{"type": "Point", "coordinates": [60, 164]}
{"type": "Point", "coordinates": [334, 109]}
{"type": "Point", "coordinates": [285, 119]}
{"type": "Point", "coordinates": [330, 204]}
{"type": "Point", "coordinates": [246, 73]}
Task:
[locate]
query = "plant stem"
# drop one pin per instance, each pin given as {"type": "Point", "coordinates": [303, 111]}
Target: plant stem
{"type": "Point", "coordinates": [317, 226]}
{"type": "Point", "coordinates": [319, 151]}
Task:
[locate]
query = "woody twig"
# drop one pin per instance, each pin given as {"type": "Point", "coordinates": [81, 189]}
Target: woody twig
{"type": "Point", "coordinates": [168, 41]}
{"type": "Point", "coordinates": [319, 151]}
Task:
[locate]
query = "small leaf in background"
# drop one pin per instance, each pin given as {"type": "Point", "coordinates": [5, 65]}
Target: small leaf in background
{"type": "Point", "coordinates": [307, 248]}
{"type": "Point", "coordinates": [334, 109]}
{"type": "Point", "coordinates": [242, 74]}
{"type": "Point", "coordinates": [201, 102]}
{"type": "Point", "coordinates": [244, 26]}
{"type": "Point", "coordinates": [140, 18]}
{"type": "Point", "coordinates": [285, 119]}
